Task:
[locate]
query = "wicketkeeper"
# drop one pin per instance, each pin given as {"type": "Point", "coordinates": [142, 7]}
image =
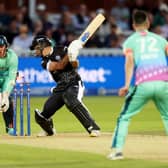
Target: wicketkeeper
{"type": "Point", "coordinates": [8, 72]}
{"type": "Point", "coordinates": [62, 64]}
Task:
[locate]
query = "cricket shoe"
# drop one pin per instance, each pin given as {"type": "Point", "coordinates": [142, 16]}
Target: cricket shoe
{"type": "Point", "coordinates": [12, 132]}
{"type": "Point", "coordinates": [115, 156]}
{"type": "Point", "coordinates": [95, 133]}
{"type": "Point", "coordinates": [44, 133]}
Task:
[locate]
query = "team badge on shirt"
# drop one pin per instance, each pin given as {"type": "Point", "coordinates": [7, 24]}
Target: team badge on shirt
{"type": "Point", "coordinates": [57, 57]}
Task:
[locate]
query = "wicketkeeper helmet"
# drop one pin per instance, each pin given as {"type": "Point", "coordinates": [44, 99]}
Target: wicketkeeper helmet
{"type": "Point", "coordinates": [3, 41]}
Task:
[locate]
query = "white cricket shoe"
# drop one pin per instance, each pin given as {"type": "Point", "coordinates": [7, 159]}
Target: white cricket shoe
{"type": "Point", "coordinates": [95, 133]}
{"type": "Point", "coordinates": [43, 133]}
{"type": "Point", "coordinates": [115, 156]}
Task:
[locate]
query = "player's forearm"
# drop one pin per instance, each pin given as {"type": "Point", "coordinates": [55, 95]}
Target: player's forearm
{"type": "Point", "coordinates": [128, 78]}
{"type": "Point", "coordinates": [75, 64]}
{"type": "Point", "coordinates": [8, 85]}
{"type": "Point", "coordinates": [166, 50]}
{"type": "Point", "coordinates": [129, 68]}
{"type": "Point", "coordinates": [10, 80]}
{"type": "Point", "coordinates": [12, 73]}
{"type": "Point", "coordinates": [53, 66]}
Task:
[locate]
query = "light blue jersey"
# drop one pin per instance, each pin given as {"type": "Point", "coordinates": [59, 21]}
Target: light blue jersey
{"type": "Point", "coordinates": [151, 77]}
{"type": "Point", "coordinates": [149, 56]}
{"type": "Point", "coordinates": [8, 71]}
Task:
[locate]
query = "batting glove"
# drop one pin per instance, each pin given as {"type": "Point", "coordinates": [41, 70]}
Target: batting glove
{"type": "Point", "coordinates": [73, 50]}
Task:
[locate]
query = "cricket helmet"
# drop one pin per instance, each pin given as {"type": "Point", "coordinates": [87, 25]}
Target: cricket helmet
{"type": "Point", "coordinates": [3, 41]}
{"type": "Point", "coordinates": [41, 41]}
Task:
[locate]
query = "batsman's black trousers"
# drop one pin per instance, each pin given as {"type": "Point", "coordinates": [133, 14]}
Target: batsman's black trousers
{"type": "Point", "coordinates": [71, 96]}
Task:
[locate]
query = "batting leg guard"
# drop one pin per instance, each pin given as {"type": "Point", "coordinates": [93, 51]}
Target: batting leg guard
{"type": "Point", "coordinates": [45, 124]}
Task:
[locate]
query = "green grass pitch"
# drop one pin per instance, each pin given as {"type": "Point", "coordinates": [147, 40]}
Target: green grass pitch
{"type": "Point", "coordinates": [105, 111]}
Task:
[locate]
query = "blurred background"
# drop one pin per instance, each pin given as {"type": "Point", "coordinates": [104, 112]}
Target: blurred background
{"type": "Point", "coordinates": [101, 61]}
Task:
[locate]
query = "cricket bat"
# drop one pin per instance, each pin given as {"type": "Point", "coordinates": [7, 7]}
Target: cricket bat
{"type": "Point", "coordinates": [91, 28]}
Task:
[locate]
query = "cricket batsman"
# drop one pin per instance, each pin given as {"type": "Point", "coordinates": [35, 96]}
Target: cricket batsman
{"type": "Point", "coordinates": [69, 88]}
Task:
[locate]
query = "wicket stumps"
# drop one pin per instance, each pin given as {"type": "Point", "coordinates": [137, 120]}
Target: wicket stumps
{"type": "Point", "coordinates": [20, 91]}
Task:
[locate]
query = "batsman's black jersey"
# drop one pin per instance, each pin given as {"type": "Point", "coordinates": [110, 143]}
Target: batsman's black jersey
{"type": "Point", "coordinates": [65, 77]}
{"type": "Point", "coordinates": [69, 92]}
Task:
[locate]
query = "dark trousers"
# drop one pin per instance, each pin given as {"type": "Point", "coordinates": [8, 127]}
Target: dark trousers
{"type": "Point", "coordinates": [72, 98]}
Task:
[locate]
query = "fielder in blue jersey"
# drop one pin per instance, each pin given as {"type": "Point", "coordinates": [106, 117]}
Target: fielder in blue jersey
{"type": "Point", "coordinates": [145, 60]}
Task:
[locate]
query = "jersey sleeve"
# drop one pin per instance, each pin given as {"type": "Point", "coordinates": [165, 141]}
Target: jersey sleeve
{"type": "Point", "coordinates": [12, 72]}
{"type": "Point", "coordinates": [165, 44]}
{"type": "Point", "coordinates": [59, 51]}
{"type": "Point", "coordinates": [127, 47]}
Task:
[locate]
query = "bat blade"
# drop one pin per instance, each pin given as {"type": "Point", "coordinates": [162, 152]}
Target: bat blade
{"type": "Point", "coordinates": [91, 28]}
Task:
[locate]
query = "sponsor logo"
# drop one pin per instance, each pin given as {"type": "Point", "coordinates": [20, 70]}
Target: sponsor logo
{"type": "Point", "coordinates": [85, 36]}
{"type": "Point", "coordinates": [94, 75]}
{"type": "Point", "coordinates": [57, 57]}
{"type": "Point", "coordinates": [41, 76]}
